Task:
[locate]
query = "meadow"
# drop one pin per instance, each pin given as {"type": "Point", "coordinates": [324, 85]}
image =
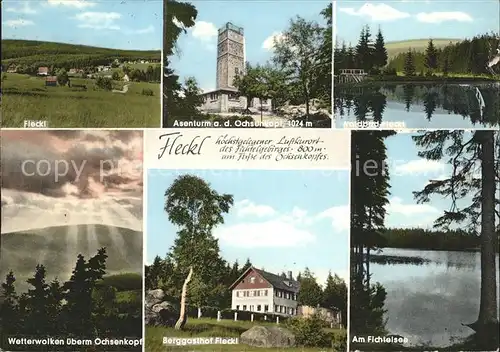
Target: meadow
{"type": "Point", "coordinates": [419, 45]}
{"type": "Point", "coordinates": [205, 327]}
{"type": "Point", "coordinates": [26, 97]}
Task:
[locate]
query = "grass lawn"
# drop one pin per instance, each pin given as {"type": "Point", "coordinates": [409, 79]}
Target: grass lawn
{"type": "Point", "coordinates": [206, 328]}
{"type": "Point", "coordinates": [26, 98]}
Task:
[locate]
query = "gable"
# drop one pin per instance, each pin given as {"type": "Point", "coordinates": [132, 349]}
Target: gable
{"type": "Point", "coordinates": [250, 280]}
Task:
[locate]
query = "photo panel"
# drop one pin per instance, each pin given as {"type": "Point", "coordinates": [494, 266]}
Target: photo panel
{"type": "Point", "coordinates": [81, 64]}
{"type": "Point", "coordinates": [251, 253]}
{"type": "Point", "coordinates": [224, 68]}
{"type": "Point", "coordinates": [71, 258]}
{"type": "Point", "coordinates": [424, 240]}
{"type": "Point", "coordinates": [417, 64]}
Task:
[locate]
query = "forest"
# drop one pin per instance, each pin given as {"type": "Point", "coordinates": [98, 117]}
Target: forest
{"type": "Point", "coordinates": [29, 55]}
{"type": "Point", "coordinates": [297, 76]}
{"type": "Point", "coordinates": [467, 57]}
{"type": "Point", "coordinates": [89, 305]}
{"type": "Point", "coordinates": [476, 216]}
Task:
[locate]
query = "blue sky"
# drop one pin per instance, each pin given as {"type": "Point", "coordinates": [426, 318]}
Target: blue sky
{"type": "Point", "coordinates": [261, 22]}
{"type": "Point", "coordinates": [281, 220]}
{"type": "Point", "coordinates": [112, 24]}
{"type": "Point", "coordinates": [417, 19]}
{"type": "Point", "coordinates": [410, 173]}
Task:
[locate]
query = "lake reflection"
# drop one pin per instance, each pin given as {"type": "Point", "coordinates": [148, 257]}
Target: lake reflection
{"type": "Point", "coordinates": [420, 105]}
{"type": "Point", "coordinates": [428, 303]}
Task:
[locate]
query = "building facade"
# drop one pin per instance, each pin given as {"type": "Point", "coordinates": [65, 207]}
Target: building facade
{"type": "Point", "coordinates": [263, 292]}
{"type": "Point", "coordinates": [231, 61]}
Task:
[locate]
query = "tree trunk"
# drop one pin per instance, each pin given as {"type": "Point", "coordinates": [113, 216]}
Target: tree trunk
{"type": "Point", "coordinates": [487, 323]}
{"type": "Point", "coordinates": [261, 110]}
{"type": "Point", "coordinates": [182, 315]}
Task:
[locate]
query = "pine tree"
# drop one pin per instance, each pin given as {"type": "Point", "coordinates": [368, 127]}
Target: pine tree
{"type": "Point", "coordinates": [9, 309]}
{"type": "Point", "coordinates": [78, 296]}
{"type": "Point", "coordinates": [310, 293]}
{"type": "Point", "coordinates": [446, 66]}
{"type": "Point", "coordinates": [380, 52]}
{"type": "Point", "coordinates": [37, 303]}
{"type": "Point", "coordinates": [335, 295]}
{"type": "Point", "coordinates": [431, 56]}
{"type": "Point", "coordinates": [409, 67]}
{"type": "Point", "coordinates": [247, 265]}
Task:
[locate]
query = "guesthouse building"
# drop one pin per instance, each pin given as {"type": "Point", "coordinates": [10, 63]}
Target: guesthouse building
{"type": "Point", "coordinates": [263, 292]}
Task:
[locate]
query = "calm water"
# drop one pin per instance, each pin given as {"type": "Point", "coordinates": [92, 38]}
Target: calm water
{"type": "Point", "coordinates": [420, 106]}
{"type": "Point", "coordinates": [428, 303]}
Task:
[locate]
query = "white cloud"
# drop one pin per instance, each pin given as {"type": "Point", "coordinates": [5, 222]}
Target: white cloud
{"type": "Point", "coordinates": [25, 9]}
{"type": "Point", "coordinates": [18, 23]}
{"type": "Point", "coordinates": [396, 206]}
{"type": "Point", "coordinates": [376, 12]}
{"type": "Point", "coordinates": [438, 17]}
{"type": "Point", "coordinates": [205, 31]}
{"type": "Point", "coordinates": [249, 208]}
{"type": "Point", "coordinates": [340, 216]}
{"type": "Point", "coordinates": [148, 29]}
{"type": "Point", "coordinates": [77, 4]}
{"type": "Point", "coordinates": [268, 43]}
{"type": "Point", "coordinates": [98, 20]}
{"type": "Point", "coordinates": [274, 233]}
{"type": "Point", "coordinates": [418, 167]}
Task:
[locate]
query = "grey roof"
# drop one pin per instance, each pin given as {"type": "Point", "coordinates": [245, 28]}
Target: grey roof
{"type": "Point", "coordinates": [280, 282]}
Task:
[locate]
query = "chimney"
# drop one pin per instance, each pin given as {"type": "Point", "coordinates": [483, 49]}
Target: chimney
{"type": "Point", "coordinates": [290, 277]}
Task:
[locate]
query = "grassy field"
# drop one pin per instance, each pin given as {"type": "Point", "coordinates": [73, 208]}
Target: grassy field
{"type": "Point", "coordinates": [395, 48]}
{"type": "Point", "coordinates": [142, 67]}
{"type": "Point", "coordinates": [26, 98]}
{"type": "Point", "coordinates": [206, 328]}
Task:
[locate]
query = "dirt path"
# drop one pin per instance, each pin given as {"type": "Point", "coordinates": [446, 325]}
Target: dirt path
{"type": "Point", "coordinates": [125, 90]}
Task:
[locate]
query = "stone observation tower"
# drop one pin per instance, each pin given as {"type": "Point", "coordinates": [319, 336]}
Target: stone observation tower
{"type": "Point", "coordinates": [230, 55]}
{"type": "Point", "coordinates": [230, 63]}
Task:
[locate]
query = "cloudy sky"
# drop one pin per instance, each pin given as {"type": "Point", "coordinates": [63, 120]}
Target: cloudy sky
{"type": "Point", "coordinates": [417, 19]}
{"type": "Point", "coordinates": [261, 22]}
{"type": "Point", "coordinates": [111, 24]}
{"type": "Point", "coordinates": [281, 220]}
{"type": "Point", "coordinates": [411, 173]}
{"type": "Point", "coordinates": [61, 178]}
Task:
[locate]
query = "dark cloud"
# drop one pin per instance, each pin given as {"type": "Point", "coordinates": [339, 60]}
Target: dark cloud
{"type": "Point", "coordinates": [58, 163]}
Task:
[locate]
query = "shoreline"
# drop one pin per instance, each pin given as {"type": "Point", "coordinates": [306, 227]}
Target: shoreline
{"type": "Point", "coordinates": [413, 81]}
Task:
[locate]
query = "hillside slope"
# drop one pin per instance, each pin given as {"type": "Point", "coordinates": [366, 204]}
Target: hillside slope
{"type": "Point", "coordinates": [57, 248]}
{"type": "Point", "coordinates": [31, 52]}
{"type": "Point", "coordinates": [395, 48]}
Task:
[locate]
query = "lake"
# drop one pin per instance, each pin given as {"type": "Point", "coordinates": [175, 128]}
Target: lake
{"type": "Point", "coordinates": [428, 303]}
{"type": "Point", "coordinates": [420, 105]}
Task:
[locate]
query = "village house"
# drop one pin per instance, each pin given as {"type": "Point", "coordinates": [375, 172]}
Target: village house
{"type": "Point", "coordinates": [263, 292]}
{"type": "Point", "coordinates": [43, 71]}
{"type": "Point", "coordinates": [51, 81]}
{"type": "Point", "coordinates": [12, 69]}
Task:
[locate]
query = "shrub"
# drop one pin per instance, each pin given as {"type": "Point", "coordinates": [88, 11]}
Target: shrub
{"type": "Point", "coordinates": [148, 92]}
{"type": "Point", "coordinates": [104, 83]}
{"type": "Point", "coordinates": [339, 341]}
{"type": "Point", "coordinates": [309, 332]}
